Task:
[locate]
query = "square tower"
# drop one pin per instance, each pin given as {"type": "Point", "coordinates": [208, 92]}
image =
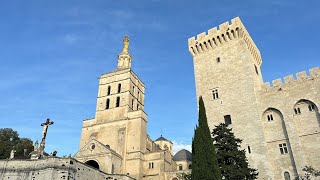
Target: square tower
{"type": "Point", "coordinates": [227, 76]}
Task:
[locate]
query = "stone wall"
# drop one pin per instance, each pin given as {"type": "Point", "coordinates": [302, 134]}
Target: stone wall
{"type": "Point", "coordinates": [228, 77]}
{"type": "Point", "coordinates": [52, 168]}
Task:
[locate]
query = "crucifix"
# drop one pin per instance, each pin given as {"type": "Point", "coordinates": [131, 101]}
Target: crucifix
{"type": "Point", "coordinates": [44, 134]}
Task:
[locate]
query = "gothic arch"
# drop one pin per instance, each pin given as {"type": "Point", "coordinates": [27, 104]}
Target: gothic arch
{"type": "Point", "coordinates": [274, 125]}
{"type": "Point", "coordinates": [93, 164]}
{"type": "Point", "coordinates": [276, 134]}
{"type": "Point", "coordinates": [306, 116]}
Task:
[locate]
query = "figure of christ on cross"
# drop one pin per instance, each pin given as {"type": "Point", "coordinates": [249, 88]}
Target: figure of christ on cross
{"type": "Point", "coordinates": [44, 134]}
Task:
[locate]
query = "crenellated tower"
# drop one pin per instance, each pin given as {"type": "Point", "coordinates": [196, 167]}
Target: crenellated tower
{"type": "Point", "coordinates": [279, 125]}
{"type": "Point", "coordinates": [228, 75]}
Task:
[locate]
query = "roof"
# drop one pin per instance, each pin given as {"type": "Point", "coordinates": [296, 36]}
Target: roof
{"type": "Point", "coordinates": [161, 138]}
{"type": "Point", "coordinates": [183, 155]}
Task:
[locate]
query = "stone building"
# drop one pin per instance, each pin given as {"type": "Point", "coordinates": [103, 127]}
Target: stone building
{"type": "Point", "coordinates": [279, 123]}
{"type": "Point", "coordinates": [116, 140]}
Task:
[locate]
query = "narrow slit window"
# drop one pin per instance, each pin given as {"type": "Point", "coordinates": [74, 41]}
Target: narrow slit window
{"type": "Point", "coordinates": [109, 90]}
{"type": "Point", "coordinates": [132, 103]}
{"type": "Point", "coordinates": [255, 67]}
{"type": "Point", "coordinates": [119, 88]}
{"type": "Point", "coordinates": [108, 104]}
{"type": "Point", "coordinates": [249, 149]}
{"type": "Point", "coordinates": [118, 102]}
{"type": "Point", "coordinates": [218, 59]}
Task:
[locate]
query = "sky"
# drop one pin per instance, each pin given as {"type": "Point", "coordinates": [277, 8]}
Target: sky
{"type": "Point", "coordinates": [53, 51]}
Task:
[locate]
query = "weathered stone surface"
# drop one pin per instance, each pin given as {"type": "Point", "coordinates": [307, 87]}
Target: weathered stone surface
{"type": "Point", "coordinates": [231, 65]}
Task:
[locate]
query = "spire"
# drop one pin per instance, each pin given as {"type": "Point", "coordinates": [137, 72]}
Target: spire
{"type": "Point", "coordinates": [124, 58]}
{"type": "Point", "coordinates": [125, 49]}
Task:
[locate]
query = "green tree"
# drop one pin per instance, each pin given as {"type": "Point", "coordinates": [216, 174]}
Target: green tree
{"type": "Point", "coordinates": [232, 161]}
{"type": "Point", "coordinates": [204, 160]}
{"type": "Point", "coordinates": [9, 140]}
{"type": "Point", "coordinates": [309, 172]}
{"type": "Point", "coordinates": [184, 176]}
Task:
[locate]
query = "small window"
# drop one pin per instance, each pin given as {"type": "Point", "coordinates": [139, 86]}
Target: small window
{"type": "Point", "coordinates": [151, 165]}
{"type": "Point", "coordinates": [283, 148]}
{"type": "Point", "coordinates": [287, 176]}
{"type": "Point", "coordinates": [119, 88]}
{"type": "Point", "coordinates": [227, 119]}
{"type": "Point", "coordinates": [190, 166]}
{"type": "Point", "coordinates": [215, 94]}
{"type": "Point", "coordinates": [118, 102]}
{"type": "Point", "coordinates": [138, 95]}
{"type": "Point", "coordinates": [255, 67]}
{"type": "Point", "coordinates": [270, 117]}
{"type": "Point", "coordinates": [138, 106]}
{"type": "Point", "coordinates": [312, 107]}
{"type": "Point", "coordinates": [108, 104]}
{"type": "Point", "coordinates": [218, 59]}
{"type": "Point", "coordinates": [297, 111]}
{"type": "Point", "coordinates": [249, 149]}
{"type": "Point", "coordinates": [132, 103]}
{"type": "Point", "coordinates": [109, 90]}
{"type": "Point", "coordinates": [180, 167]}
{"type": "Point", "coordinates": [133, 90]}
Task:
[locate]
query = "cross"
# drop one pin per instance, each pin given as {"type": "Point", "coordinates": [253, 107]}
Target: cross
{"type": "Point", "coordinates": [44, 134]}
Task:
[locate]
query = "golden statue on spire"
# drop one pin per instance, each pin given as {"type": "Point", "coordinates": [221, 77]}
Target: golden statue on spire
{"type": "Point", "coordinates": [125, 45]}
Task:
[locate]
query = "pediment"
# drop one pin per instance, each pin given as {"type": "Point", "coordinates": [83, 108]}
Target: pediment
{"type": "Point", "coordinates": [94, 148]}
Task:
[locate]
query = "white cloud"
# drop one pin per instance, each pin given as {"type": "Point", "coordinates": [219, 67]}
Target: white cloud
{"type": "Point", "coordinates": [177, 146]}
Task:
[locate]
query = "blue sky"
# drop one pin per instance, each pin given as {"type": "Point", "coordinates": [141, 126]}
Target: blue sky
{"type": "Point", "coordinates": [53, 51]}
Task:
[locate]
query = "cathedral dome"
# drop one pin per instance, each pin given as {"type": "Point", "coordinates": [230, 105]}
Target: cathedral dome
{"type": "Point", "coordinates": [183, 155]}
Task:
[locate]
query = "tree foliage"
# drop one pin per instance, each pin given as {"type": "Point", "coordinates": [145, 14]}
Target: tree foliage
{"type": "Point", "coordinates": [184, 176]}
{"type": "Point", "coordinates": [232, 161]}
{"type": "Point", "coordinates": [204, 160]}
{"type": "Point", "coordinates": [309, 173]}
{"type": "Point", "coordinates": [9, 140]}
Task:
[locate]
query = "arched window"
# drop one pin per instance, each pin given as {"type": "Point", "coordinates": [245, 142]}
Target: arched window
{"type": "Point", "coordinates": [107, 103]}
{"type": "Point", "coordinates": [119, 88]}
{"type": "Point", "coordinates": [287, 176]}
{"type": "Point", "coordinates": [118, 102]}
{"type": "Point", "coordinates": [109, 90]}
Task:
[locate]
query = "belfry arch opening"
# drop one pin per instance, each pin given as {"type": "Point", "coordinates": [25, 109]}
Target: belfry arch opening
{"type": "Point", "coordinates": [93, 164]}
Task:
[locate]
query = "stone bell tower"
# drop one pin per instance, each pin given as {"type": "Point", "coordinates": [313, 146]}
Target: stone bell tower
{"type": "Point", "coordinates": [120, 121]}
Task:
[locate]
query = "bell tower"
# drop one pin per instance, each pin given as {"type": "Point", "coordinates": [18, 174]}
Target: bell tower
{"type": "Point", "coordinates": [120, 122]}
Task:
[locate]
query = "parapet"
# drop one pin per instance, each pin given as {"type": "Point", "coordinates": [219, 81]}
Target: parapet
{"type": "Point", "coordinates": [300, 77]}
{"type": "Point", "coordinates": [218, 37]}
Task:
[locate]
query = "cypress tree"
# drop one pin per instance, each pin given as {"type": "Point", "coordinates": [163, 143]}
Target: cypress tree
{"type": "Point", "coordinates": [204, 160]}
{"type": "Point", "coordinates": [232, 161]}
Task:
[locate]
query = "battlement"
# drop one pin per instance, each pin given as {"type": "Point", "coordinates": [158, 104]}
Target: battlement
{"type": "Point", "coordinates": [300, 77]}
{"type": "Point", "coordinates": [218, 37]}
